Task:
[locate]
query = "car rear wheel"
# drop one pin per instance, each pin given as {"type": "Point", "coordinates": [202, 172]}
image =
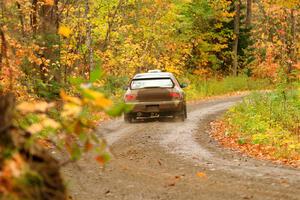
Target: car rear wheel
{"type": "Point", "coordinates": [185, 112]}
{"type": "Point", "coordinates": [128, 118]}
{"type": "Point", "coordinates": [181, 116]}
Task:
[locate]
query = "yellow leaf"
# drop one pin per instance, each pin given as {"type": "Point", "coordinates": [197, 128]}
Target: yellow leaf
{"type": "Point", "coordinates": [50, 123]}
{"type": "Point", "coordinates": [219, 25]}
{"type": "Point", "coordinates": [71, 99]}
{"type": "Point", "coordinates": [71, 110]}
{"type": "Point", "coordinates": [98, 99]}
{"type": "Point", "coordinates": [26, 107]}
{"type": "Point", "coordinates": [64, 31]}
{"type": "Point", "coordinates": [35, 128]}
{"type": "Point", "coordinates": [279, 43]}
{"type": "Point", "coordinates": [43, 106]}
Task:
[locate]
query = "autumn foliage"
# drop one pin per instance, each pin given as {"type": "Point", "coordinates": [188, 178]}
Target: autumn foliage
{"type": "Point", "coordinates": [65, 60]}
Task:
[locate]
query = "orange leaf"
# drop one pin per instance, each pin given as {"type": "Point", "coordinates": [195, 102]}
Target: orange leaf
{"type": "Point", "coordinates": [100, 160]}
{"type": "Point", "coordinates": [49, 2]}
{"type": "Point", "coordinates": [103, 158]}
{"type": "Point", "coordinates": [201, 175]}
{"type": "Point", "coordinates": [88, 146]}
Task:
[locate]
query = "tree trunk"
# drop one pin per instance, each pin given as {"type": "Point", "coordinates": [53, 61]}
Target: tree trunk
{"type": "Point", "coordinates": [236, 31]}
{"type": "Point", "coordinates": [33, 16]}
{"type": "Point", "coordinates": [7, 102]}
{"type": "Point", "coordinates": [110, 23]}
{"type": "Point", "coordinates": [39, 161]}
{"type": "Point", "coordinates": [3, 49]}
{"type": "Point", "coordinates": [293, 39]}
{"type": "Point", "coordinates": [4, 61]}
{"type": "Point", "coordinates": [47, 29]}
{"type": "Point", "coordinates": [21, 18]}
{"type": "Point", "coordinates": [265, 21]}
{"type": "Point", "coordinates": [249, 13]}
{"type": "Point", "coordinates": [44, 21]}
{"type": "Point", "coordinates": [2, 37]}
{"type": "Point", "coordinates": [89, 38]}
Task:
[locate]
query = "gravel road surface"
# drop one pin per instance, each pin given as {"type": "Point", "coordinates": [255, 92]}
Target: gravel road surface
{"type": "Point", "coordinates": [178, 160]}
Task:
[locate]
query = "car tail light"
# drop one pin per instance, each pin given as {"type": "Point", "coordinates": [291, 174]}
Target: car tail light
{"type": "Point", "coordinates": [130, 97]}
{"type": "Point", "coordinates": [175, 95]}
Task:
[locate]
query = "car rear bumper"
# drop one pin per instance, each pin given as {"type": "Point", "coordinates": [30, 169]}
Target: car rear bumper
{"type": "Point", "coordinates": [159, 107]}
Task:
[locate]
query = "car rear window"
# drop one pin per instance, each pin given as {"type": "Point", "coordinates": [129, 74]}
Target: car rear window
{"type": "Point", "coordinates": [151, 83]}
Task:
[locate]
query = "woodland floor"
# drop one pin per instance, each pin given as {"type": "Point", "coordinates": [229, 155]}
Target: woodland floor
{"type": "Point", "coordinates": [178, 160]}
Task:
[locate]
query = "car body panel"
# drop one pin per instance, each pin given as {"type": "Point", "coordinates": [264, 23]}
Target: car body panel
{"type": "Point", "coordinates": [157, 106]}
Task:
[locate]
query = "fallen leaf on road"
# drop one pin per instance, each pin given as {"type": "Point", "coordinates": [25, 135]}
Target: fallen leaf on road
{"type": "Point", "coordinates": [201, 175]}
{"type": "Point", "coordinates": [173, 181]}
{"type": "Point", "coordinates": [159, 162]}
{"type": "Point", "coordinates": [172, 184]}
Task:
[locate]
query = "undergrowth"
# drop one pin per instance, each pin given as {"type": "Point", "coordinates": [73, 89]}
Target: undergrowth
{"type": "Point", "coordinates": [199, 88]}
{"type": "Point", "coordinates": [271, 120]}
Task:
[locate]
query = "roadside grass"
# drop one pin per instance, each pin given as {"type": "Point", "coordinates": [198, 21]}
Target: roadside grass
{"type": "Point", "coordinates": [199, 88]}
{"type": "Point", "coordinates": [270, 121]}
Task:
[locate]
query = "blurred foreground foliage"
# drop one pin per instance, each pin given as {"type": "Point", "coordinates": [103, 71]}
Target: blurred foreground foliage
{"type": "Point", "coordinates": [68, 124]}
{"type": "Point", "coordinates": [52, 51]}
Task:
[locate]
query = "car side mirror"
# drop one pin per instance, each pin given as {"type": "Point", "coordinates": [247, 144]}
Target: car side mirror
{"type": "Point", "coordinates": [183, 85]}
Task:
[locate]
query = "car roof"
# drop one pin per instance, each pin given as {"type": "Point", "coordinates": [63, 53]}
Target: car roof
{"type": "Point", "coordinates": [153, 75]}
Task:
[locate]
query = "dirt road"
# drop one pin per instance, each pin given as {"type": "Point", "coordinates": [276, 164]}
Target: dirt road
{"type": "Point", "coordinates": [161, 160]}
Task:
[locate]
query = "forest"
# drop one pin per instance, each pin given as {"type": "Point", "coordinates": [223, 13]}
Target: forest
{"type": "Point", "coordinates": [64, 64]}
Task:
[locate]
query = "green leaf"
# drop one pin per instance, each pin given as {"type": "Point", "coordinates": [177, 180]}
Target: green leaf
{"type": "Point", "coordinates": [76, 80]}
{"type": "Point", "coordinates": [96, 74]}
{"type": "Point", "coordinates": [118, 109]}
{"type": "Point", "coordinates": [106, 157]}
{"type": "Point", "coordinates": [76, 153]}
{"type": "Point", "coordinates": [82, 137]}
{"type": "Point", "coordinates": [241, 141]}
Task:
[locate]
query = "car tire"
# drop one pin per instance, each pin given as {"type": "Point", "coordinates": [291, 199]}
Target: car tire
{"type": "Point", "coordinates": [128, 118]}
{"type": "Point", "coordinates": [185, 112]}
{"type": "Point", "coordinates": [181, 116]}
